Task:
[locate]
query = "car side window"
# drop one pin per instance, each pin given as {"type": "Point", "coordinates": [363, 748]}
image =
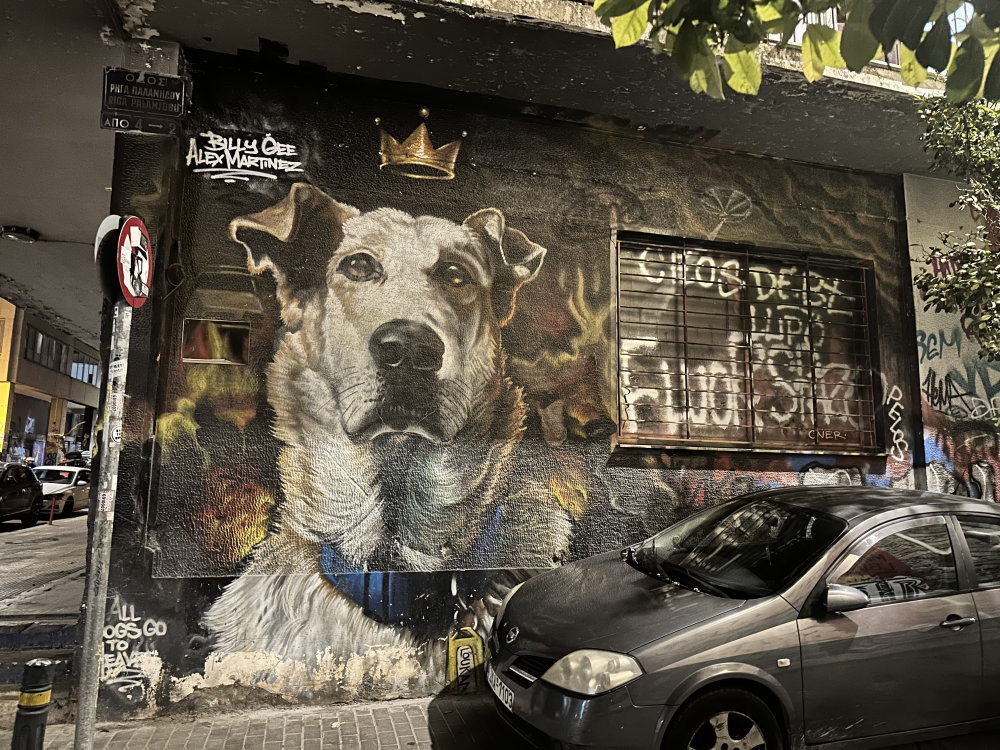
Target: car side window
{"type": "Point", "coordinates": [914, 562]}
{"type": "Point", "coordinates": [9, 478]}
{"type": "Point", "coordinates": [983, 537]}
{"type": "Point", "coordinates": [83, 476]}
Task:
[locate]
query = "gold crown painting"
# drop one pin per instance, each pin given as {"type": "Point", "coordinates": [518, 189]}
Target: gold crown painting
{"type": "Point", "coordinates": [416, 156]}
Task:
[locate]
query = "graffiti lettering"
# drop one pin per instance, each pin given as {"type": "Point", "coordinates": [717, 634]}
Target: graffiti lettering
{"type": "Point", "coordinates": [900, 447]}
{"type": "Point", "coordinates": [128, 642]}
{"type": "Point", "coordinates": [943, 268]}
{"type": "Point", "coordinates": [827, 435]}
{"type": "Point", "coordinates": [932, 345]}
{"type": "Point", "coordinates": [241, 157]}
{"type": "Point", "coordinates": [974, 394]}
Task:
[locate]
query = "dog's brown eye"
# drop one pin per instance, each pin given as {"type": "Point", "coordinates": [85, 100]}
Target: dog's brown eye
{"type": "Point", "coordinates": [452, 274]}
{"type": "Point", "coordinates": [360, 267]}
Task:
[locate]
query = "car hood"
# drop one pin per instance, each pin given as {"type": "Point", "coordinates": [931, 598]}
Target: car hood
{"type": "Point", "coordinates": [602, 602]}
{"type": "Point", "coordinates": [49, 488]}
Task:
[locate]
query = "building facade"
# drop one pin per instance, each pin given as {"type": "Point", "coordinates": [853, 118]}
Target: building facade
{"type": "Point", "coordinates": [413, 348]}
{"type": "Point", "coordinates": [49, 389]}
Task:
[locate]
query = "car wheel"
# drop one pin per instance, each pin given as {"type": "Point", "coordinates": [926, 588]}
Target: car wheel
{"type": "Point", "coordinates": [34, 513]}
{"type": "Point", "coordinates": [724, 719]}
{"type": "Point", "coordinates": [67, 509]}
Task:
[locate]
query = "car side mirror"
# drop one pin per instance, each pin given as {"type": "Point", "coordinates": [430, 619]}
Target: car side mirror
{"type": "Point", "coordinates": [81, 482]}
{"type": "Point", "coordinates": [840, 598]}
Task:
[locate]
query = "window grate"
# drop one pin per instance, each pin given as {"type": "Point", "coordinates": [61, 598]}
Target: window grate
{"type": "Point", "coordinates": [719, 347]}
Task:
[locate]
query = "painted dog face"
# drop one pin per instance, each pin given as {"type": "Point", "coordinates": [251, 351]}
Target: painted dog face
{"type": "Point", "coordinates": [404, 324]}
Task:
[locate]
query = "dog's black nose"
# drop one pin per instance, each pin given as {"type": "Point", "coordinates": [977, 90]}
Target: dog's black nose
{"type": "Point", "coordinates": [402, 346]}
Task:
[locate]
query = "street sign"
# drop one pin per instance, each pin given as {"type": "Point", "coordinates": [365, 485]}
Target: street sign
{"type": "Point", "coordinates": [134, 260]}
{"type": "Point", "coordinates": [142, 102]}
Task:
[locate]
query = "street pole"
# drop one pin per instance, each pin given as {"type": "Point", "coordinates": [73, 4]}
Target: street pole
{"type": "Point", "coordinates": [95, 599]}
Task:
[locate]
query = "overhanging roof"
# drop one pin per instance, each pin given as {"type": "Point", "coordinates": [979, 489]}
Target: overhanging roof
{"type": "Point", "coordinates": [57, 162]}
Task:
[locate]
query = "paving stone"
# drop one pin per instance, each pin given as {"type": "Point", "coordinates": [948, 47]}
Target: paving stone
{"type": "Point", "coordinates": [440, 723]}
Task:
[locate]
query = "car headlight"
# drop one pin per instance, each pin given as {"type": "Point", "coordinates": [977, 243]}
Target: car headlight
{"type": "Point", "coordinates": [503, 604]}
{"type": "Point", "coordinates": [592, 672]}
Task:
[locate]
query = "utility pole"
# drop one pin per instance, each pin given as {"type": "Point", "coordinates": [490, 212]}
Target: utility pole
{"type": "Point", "coordinates": [100, 543]}
{"type": "Point", "coordinates": [134, 277]}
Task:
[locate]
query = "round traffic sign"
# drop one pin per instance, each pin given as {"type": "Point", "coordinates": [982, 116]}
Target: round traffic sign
{"type": "Point", "coordinates": [134, 261]}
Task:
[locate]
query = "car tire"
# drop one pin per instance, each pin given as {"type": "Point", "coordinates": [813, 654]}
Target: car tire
{"type": "Point", "coordinates": [67, 508]}
{"type": "Point", "coordinates": [34, 513]}
{"type": "Point", "coordinates": [724, 719]}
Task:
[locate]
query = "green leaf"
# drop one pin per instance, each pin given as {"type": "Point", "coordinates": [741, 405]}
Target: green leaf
{"type": "Point", "coordinates": [978, 28]}
{"type": "Point", "coordinates": [945, 8]}
{"type": "Point", "coordinates": [705, 77]}
{"type": "Point", "coordinates": [696, 60]}
{"type": "Point", "coordinates": [629, 28]}
{"type": "Point", "coordinates": [913, 29]}
{"type": "Point", "coordinates": [820, 48]}
{"type": "Point", "coordinates": [614, 8]}
{"type": "Point", "coordinates": [686, 48]}
{"type": "Point", "coordinates": [991, 90]}
{"type": "Point", "coordinates": [913, 72]}
{"type": "Point", "coordinates": [779, 17]}
{"type": "Point", "coordinates": [857, 43]}
{"type": "Point", "coordinates": [770, 12]}
{"type": "Point", "coordinates": [879, 19]}
{"type": "Point", "coordinates": [965, 74]}
{"type": "Point", "coordinates": [935, 50]}
{"type": "Point", "coordinates": [743, 72]}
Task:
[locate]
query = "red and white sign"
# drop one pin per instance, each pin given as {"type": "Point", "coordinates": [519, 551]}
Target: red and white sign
{"type": "Point", "coordinates": [134, 261]}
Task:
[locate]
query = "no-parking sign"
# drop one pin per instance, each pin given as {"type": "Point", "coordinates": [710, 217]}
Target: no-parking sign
{"type": "Point", "coordinates": [135, 261]}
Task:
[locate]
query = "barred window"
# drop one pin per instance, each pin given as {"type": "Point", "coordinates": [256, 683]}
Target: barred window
{"type": "Point", "coordinates": [723, 347]}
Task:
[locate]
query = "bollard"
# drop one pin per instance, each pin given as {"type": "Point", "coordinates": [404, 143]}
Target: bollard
{"type": "Point", "coordinates": [33, 705]}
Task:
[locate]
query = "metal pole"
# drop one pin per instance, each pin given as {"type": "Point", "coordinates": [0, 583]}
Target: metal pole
{"type": "Point", "coordinates": [103, 516]}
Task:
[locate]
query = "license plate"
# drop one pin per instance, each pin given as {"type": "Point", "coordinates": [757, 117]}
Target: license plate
{"type": "Point", "coordinates": [504, 693]}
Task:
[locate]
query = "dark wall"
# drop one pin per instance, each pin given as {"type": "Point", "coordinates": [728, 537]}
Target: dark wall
{"type": "Point", "coordinates": [410, 399]}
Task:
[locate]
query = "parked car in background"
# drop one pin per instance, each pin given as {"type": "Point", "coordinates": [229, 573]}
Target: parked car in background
{"type": "Point", "coordinates": [76, 458]}
{"type": "Point", "coordinates": [20, 494]}
{"type": "Point", "coordinates": [66, 486]}
{"type": "Point", "coordinates": [800, 617]}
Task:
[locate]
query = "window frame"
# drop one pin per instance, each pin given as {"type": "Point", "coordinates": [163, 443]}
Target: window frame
{"type": "Point", "coordinates": [968, 563]}
{"type": "Point", "coordinates": [751, 252]}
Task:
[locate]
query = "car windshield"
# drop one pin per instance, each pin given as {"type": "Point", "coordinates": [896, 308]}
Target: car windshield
{"type": "Point", "coordinates": [56, 476]}
{"type": "Point", "coordinates": [746, 549]}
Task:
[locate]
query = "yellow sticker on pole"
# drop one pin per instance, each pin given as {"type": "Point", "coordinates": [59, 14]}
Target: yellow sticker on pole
{"type": "Point", "coordinates": [27, 700]}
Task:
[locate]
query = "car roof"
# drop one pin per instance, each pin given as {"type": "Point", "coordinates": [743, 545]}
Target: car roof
{"type": "Point", "coordinates": [62, 467]}
{"type": "Point", "coordinates": [854, 503]}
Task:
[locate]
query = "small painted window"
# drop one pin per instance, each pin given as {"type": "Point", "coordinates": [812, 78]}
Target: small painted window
{"type": "Point", "coordinates": [737, 349]}
{"type": "Point", "coordinates": [216, 342]}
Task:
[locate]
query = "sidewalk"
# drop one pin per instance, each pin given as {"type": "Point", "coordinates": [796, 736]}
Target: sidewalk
{"type": "Point", "coordinates": [442, 723]}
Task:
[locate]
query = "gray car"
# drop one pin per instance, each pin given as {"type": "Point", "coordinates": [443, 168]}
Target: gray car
{"type": "Point", "coordinates": [789, 618]}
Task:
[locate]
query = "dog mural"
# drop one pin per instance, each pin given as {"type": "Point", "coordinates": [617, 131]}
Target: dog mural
{"type": "Point", "coordinates": [397, 421]}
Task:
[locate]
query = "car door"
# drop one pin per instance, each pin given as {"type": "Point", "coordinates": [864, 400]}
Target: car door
{"type": "Point", "coordinates": [981, 535]}
{"type": "Point", "coordinates": [11, 501]}
{"type": "Point", "coordinates": [911, 658]}
{"type": "Point", "coordinates": [82, 493]}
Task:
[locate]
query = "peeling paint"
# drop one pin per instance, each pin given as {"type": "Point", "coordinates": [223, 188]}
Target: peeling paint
{"type": "Point", "coordinates": [382, 10]}
{"type": "Point", "coordinates": [385, 671]}
{"type": "Point", "coordinates": [134, 14]}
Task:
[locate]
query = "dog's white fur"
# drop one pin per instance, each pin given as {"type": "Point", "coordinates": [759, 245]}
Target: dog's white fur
{"type": "Point", "coordinates": [416, 497]}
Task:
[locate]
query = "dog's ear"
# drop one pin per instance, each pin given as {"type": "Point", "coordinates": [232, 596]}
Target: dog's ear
{"type": "Point", "coordinates": [516, 260]}
{"type": "Point", "coordinates": [294, 240]}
